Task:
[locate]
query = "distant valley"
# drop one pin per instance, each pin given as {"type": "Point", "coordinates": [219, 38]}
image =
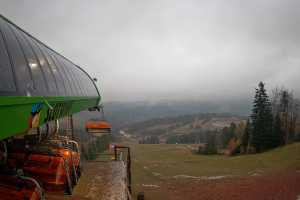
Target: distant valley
{"type": "Point", "coordinates": [164, 128]}
{"type": "Point", "coordinates": [123, 114]}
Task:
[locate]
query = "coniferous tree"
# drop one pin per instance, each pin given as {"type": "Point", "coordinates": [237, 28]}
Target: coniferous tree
{"type": "Point", "coordinates": [211, 146]}
{"type": "Point", "coordinates": [261, 134]}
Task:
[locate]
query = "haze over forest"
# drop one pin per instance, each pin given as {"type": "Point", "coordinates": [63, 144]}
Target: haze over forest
{"type": "Point", "coordinates": [171, 50]}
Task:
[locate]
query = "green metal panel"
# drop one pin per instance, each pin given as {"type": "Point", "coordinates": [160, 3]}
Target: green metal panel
{"type": "Point", "coordinates": [19, 114]}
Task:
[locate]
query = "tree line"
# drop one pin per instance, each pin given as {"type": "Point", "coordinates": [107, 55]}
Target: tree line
{"type": "Point", "coordinates": [153, 139]}
{"type": "Point", "coordinates": [273, 121]}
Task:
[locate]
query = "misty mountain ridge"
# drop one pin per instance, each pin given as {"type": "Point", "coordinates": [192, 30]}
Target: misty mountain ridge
{"type": "Point", "coordinates": [165, 128]}
{"type": "Point", "coordinates": [122, 114]}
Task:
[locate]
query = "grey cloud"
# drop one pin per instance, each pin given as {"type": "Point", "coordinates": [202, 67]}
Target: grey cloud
{"type": "Point", "coordinates": [166, 49]}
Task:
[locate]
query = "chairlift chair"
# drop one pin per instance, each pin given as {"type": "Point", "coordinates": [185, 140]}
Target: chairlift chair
{"type": "Point", "coordinates": [98, 127]}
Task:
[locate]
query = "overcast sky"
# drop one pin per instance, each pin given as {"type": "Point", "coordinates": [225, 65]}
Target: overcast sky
{"type": "Point", "coordinates": [168, 49]}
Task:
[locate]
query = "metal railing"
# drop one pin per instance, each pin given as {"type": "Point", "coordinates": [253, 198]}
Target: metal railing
{"type": "Point", "coordinates": [118, 150]}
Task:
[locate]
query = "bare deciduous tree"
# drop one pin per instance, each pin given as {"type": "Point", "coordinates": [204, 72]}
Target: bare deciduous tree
{"type": "Point", "coordinates": [287, 107]}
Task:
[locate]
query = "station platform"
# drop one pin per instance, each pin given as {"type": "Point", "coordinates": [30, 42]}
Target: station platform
{"type": "Point", "coordinates": [101, 180]}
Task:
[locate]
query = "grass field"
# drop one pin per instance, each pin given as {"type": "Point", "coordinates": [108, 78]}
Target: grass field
{"type": "Point", "coordinates": [157, 165]}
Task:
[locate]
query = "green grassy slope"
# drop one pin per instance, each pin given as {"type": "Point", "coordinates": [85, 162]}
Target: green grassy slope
{"type": "Point", "coordinates": [154, 164]}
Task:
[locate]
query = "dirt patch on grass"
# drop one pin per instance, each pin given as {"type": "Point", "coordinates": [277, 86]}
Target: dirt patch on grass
{"type": "Point", "coordinates": [283, 185]}
{"type": "Point", "coordinates": [201, 177]}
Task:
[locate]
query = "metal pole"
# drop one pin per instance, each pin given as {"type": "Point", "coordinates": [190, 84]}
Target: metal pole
{"type": "Point", "coordinates": [56, 127]}
{"type": "Point", "coordinates": [115, 152]}
{"type": "Point", "coordinates": [38, 131]}
{"type": "Point", "coordinates": [72, 127]}
{"type": "Point", "coordinates": [102, 112]}
{"type": "Point", "coordinates": [129, 169]}
{"type": "Point", "coordinates": [128, 162]}
{"type": "Point", "coordinates": [47, 130]}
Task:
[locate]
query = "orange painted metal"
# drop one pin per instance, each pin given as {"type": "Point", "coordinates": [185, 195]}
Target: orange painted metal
{"type": "Point", "coordinates": [97, 125]}
{"type": "Point", "coordinates": [18, 188]}
{"type": "Point", "coordinates": [52, 165]}
{"type": "Point", "coordinates": [98, 128]}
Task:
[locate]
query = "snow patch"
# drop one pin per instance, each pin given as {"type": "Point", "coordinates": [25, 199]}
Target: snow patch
{"type": "Point", "coordinates": [257, 172]}
{"type": "Point", "coordinates": [201, 177]}
{"type": "Point", "coordinates": [151, 185]}
{"type": "Point", "coordinates": [156, 174]}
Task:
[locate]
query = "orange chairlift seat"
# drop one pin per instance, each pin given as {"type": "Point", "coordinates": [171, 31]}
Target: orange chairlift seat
{"type": "Point", "coordinates": [18, 150]}
{"type": "Point", "coordinates": [52, 163]}
{"type": "Point", "coordinates": [98, 127]}
{"type": "Point", "coordinates": [19, 188]}
{"type": "Point", "coordinates": [17, 153]}
{"type": "Point", "coordinates": [73, 147]}
{"type": "Point", "coordinates": [13, 186]}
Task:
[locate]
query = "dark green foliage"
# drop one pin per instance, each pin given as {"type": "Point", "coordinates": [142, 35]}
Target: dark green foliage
{"type": "Point", "coordinates": [181, 139]}
{"type": "Point", "coordinates": [211, 146]}
{"type": "Point", "coordinates": [161, 126]}
{"type": "Point", "coordinates": [262, 137]}
{"type": "Point", "coordinates": [237, 150]}
{"type": "Point", "coordinates": [297, 137]}
{"type": "Point", "coordinates": [195, 137]}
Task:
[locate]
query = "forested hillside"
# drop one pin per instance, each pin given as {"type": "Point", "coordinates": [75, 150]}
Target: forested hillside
{"type": "Point", "coordinates": [182, 129]}
{"type": "Point", "coordinates": [122, 114]}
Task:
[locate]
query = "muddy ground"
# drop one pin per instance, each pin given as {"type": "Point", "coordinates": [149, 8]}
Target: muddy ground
{"type": "Point", "coordinates": [175, 172]}
{"type": "Point", "coordinates": [284, 185]}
